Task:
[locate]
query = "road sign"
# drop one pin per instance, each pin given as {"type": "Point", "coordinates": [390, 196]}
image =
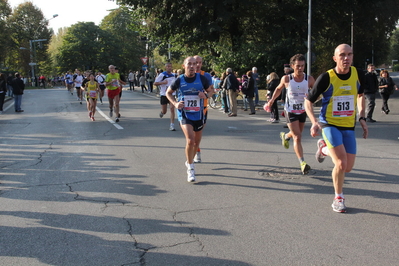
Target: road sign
{"type": "Point", "coordinates": [32, 64]}
{"type": "Point", "coordinates": [144, 60]}
{"type": "Point", "coordinates": [144, 67]}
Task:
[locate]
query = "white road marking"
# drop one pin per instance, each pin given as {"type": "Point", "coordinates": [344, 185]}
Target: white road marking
{"type": "Point", "coordinates": [108, 118]}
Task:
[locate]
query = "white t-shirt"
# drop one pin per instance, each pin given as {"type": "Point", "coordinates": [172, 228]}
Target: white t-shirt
{"type": "Point", "coordinates": [169, 77]}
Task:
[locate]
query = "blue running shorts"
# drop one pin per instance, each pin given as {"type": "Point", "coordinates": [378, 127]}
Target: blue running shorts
{"type": "Point", "coordinates": [334, 137]}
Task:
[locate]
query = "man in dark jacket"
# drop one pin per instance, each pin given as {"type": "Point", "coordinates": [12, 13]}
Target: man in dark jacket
{"type": "Point", "coordinates": [370, 89]}
{"type": "Point", "coordinates": [9, 85]}
{"type": "Point", "coordinates": [18, 87]}
{"type": "Point", "coordinates": [232, 90]}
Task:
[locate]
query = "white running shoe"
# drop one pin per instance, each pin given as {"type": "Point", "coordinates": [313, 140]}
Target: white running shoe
{"type": "Point", "coordinates": [172, 128]}
{"type": "Point", "coordinates": [190, 173]}
{"type": "Point", "coordinates": [197, 157]}
{"type": "Point", "coordinates": [160, 114]}
{"type": "Point", "coordinates": [320, 156]}
{"type": "Point", "coordinates": [338, 204]}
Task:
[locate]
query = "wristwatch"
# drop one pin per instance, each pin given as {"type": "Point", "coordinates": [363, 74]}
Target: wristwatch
{"type": "Point", "coordinates": [362, 118]}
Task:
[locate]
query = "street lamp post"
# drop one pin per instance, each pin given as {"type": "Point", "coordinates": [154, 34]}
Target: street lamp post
{"type": "Point", "coordinates": [33, 50]}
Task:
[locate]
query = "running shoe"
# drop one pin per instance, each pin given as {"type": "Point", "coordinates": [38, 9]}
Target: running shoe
{"type": "Point", "coordinates": [284, 142]}
{"type": "Point", "coordinates": [117, 120]}
{"type": "Point", "coordinates": [305, 168]}
{"type": "Point", "coordinates": [92, 118]}
{"type": "Point", "coordinates": [119, 115]}
{"type": "Point", "coordinates": [197, 157]}
{"type": "Point", "coordinates": [111, 112]}
{"type": "Point", "coordinates": [320, 156]}
{"type": "Point", "coordinates": [338, 204]}
{"type": "Point", "coordinates": [172, 128]}
{"type": "Point", "coordinates": [190, 173]}
{"type": "Point", "coordinates": [160, 114]}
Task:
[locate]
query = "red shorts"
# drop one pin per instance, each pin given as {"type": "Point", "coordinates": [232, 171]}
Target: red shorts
{"type": "Point", "coordinates": [112, 93]}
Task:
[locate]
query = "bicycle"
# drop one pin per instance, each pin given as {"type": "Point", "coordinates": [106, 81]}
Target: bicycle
{"type": "Point", "coordinates": [215, 102]}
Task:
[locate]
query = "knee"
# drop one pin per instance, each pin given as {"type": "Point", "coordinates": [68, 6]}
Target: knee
{"type": "Point", "coordinates": [191, 142]}
{"type": "Point", "coordinates": [342, 166]}
{"type": "Point", "coordinates": [296, 137]}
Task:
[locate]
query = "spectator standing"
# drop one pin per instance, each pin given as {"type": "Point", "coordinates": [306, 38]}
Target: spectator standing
{"type": "Point", "coordinates": [272, 83]}
{"type": "Point", "coordinates": [370, 89]}
{"type": "Point", "coordinates": [42, 81]}
{"type": "Point", "coordinates": [130, 78]}
{"type": "Point", "coordinates": [255, 76]}
{"type": "Point", "coordinates": [232, 90]}
{"type": "Point", "coordinates": [18, 90]}
{"type": "Point", "coordinates": [9, 85]}
{"type": "Point", "coordinates": [142, 81]}
{"type": "Point", "coordinates": [250, 92]}
{"type": "Point", "coordinates": [3, 90]}
{"type": "Point", "coordinates": [386, 87]}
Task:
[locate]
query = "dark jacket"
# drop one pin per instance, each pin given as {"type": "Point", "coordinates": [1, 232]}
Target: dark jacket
{"type": "Point", "coordinates": [231, 82]}
{"type": "Point", "coordinates": [370, 84]}
{"type": "Point", "coordinates": [251, 88]}
{"type": "Point", "coordinates": [391, 85]}
{"type": "Point", "coordinates": [18, 86]}
{"type": "Point", "coordinates": [271, 87]}
{"type": "Point", "coordinates": [3, 85]}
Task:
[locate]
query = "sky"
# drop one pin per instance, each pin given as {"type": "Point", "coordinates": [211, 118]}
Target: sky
{"type": "Point", "coordinates": [70, 11]}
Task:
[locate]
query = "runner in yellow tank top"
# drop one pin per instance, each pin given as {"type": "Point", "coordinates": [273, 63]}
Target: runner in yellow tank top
{"type": "Point", "coordinates": [342, 93]}
{"type": "Point", "coordinates": [92, 90]}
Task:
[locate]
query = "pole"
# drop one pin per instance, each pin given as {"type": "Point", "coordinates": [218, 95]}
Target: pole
{"type": "Point", "coordinates": [169, 56]}
{"type": "Point", "coordinates": [352, 30]}
{"type": "Point", "coordinates": [32, 63]}
{"type": "Point", "coordinates": [309, 59]}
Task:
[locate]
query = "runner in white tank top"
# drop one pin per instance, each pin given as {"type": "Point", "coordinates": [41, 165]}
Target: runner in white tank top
{"type": "Point", "coordinates": [297, 85]}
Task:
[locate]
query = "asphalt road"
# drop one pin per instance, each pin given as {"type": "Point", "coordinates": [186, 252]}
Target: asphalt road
{"type": "Point", "coordinates": [77, 192]}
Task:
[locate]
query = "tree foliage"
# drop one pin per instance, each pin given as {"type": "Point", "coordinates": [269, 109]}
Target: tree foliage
{"type": "Point", "coordinates": [122, 25]}
{"type": "Point", "coordinates": [5, 11]}
{"type": "Point", "coordinates": [27, 23]}
{"type": "Point", "coordinates": [266, 33]}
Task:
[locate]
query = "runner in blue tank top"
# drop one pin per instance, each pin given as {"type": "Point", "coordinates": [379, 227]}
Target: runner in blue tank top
{"type": "Point", "coordinates": [192, 88]}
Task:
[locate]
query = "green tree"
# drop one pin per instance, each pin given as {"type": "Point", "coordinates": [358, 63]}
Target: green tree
{"type": "Point", "coordinates": [53, 50]}
{"type": "Point", "coordinates": [5, 11]}
{"type": "Point", "coordinates": [122, 26]}
{"type": "Point", "coordinates": [394, 47]}
{"type": "Point", "coordinates": [266, 33]}
{"type": "Point", "coordinates": [27, 23]}
{"type": "Point", "coordinates": [83, 46]}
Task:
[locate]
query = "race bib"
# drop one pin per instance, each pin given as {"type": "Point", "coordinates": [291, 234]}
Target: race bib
{"type": "Point", "coordinates": [297, 108]}
{"type": "Point", "coordinates": [93, 94]}
{"type": "Point", "coordinates": [115, 83]}
{"type": "Point", "coordinates": [343, 106]}
{"type": "Point", "coordinates": [192, 103]}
